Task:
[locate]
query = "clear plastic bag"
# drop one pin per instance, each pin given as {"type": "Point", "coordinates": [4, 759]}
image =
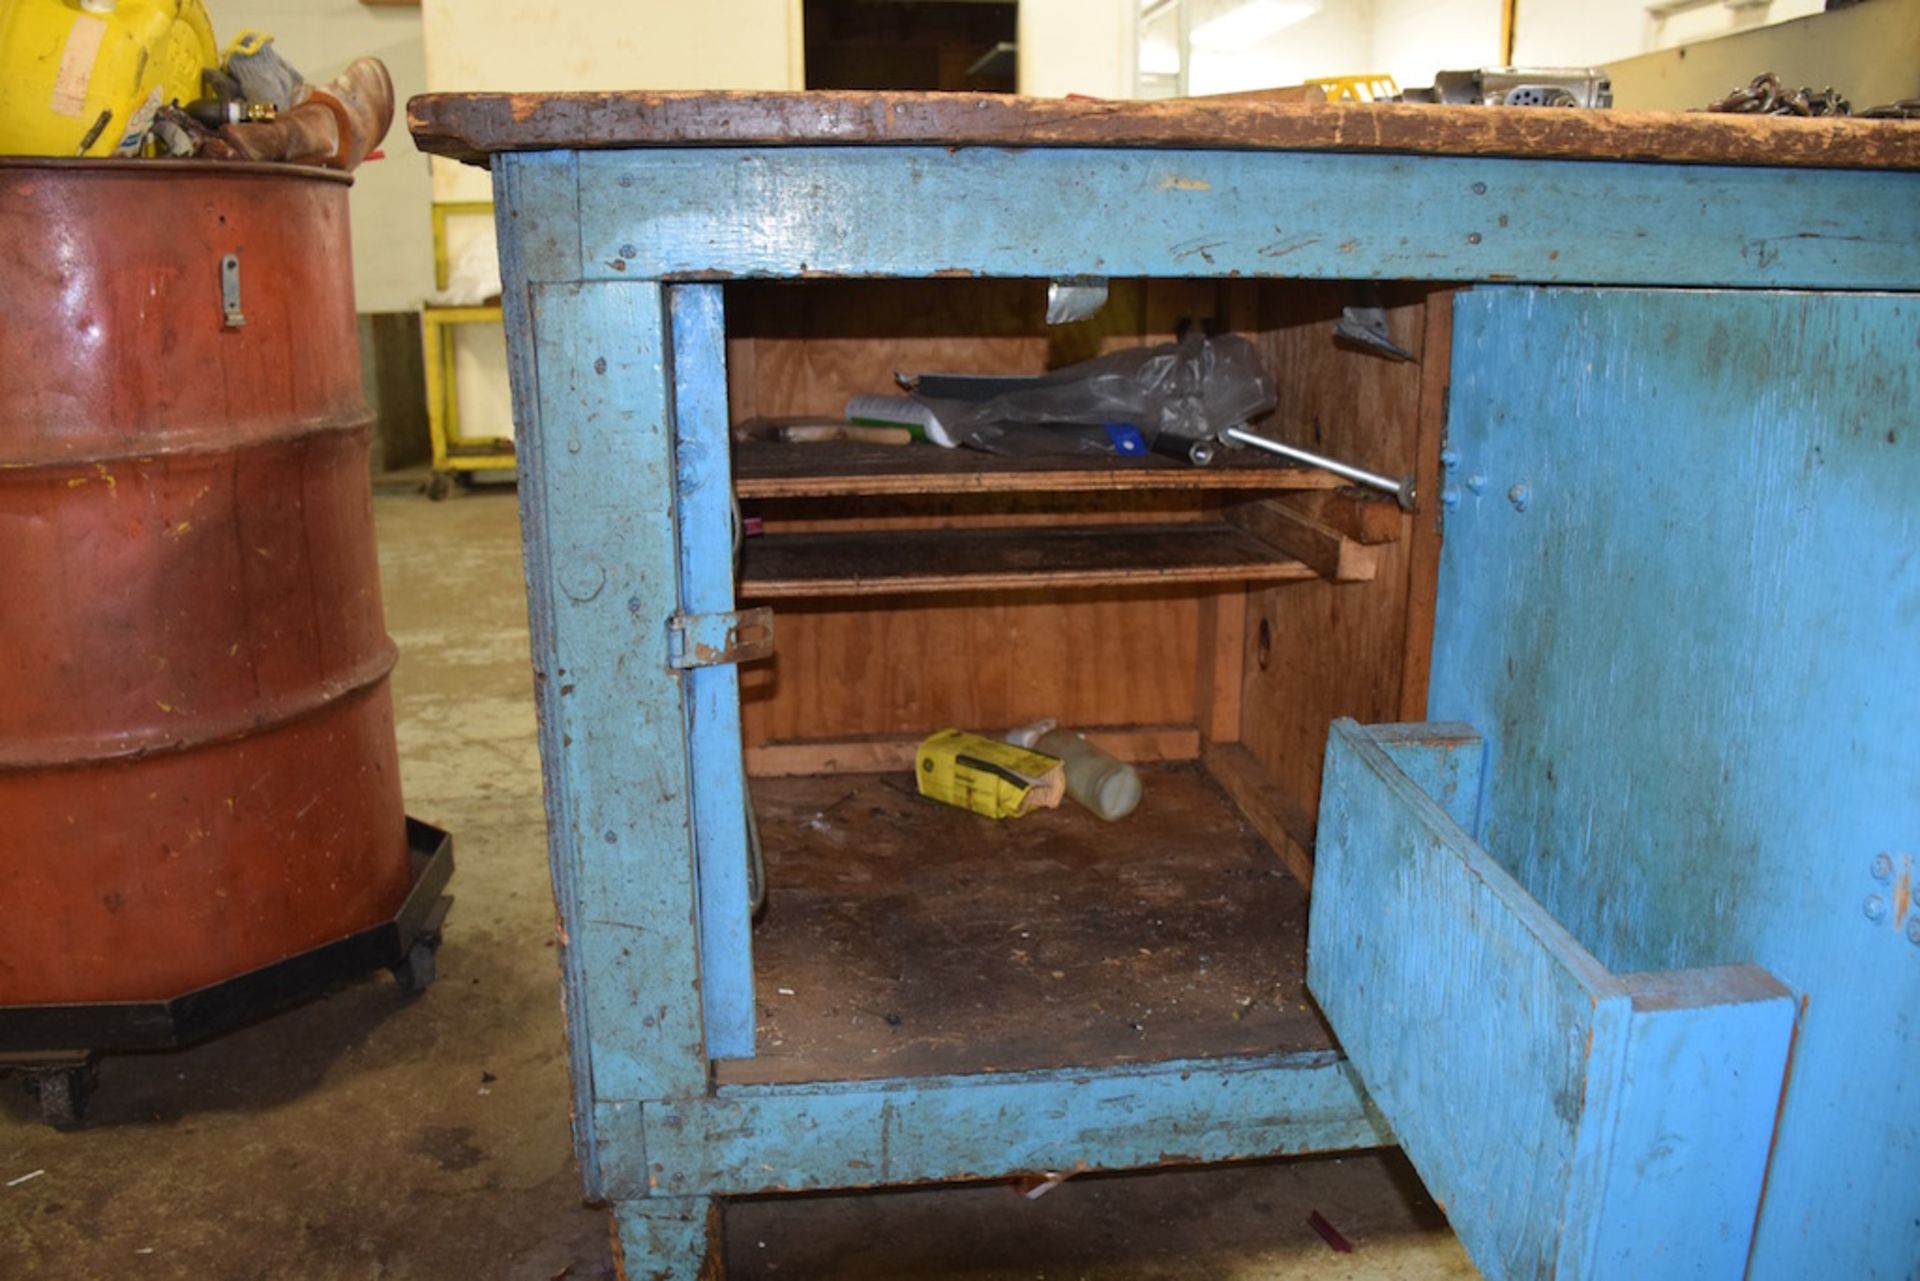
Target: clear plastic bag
{"type": "Point", "coordinates": [1194, 389]}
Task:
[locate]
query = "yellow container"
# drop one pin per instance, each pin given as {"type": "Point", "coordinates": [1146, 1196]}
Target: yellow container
{"type": "Point", "coordinates": [986, 775]}
{"type": "Point", "coordinates": [84, 77]}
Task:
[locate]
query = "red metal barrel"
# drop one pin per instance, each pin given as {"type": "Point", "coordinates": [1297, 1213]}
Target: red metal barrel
{"type": "Point", "coordinates": [198, 773]}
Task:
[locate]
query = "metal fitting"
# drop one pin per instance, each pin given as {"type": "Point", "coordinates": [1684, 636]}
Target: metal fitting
{"type": "Point", "coordinates": [1875, 908]}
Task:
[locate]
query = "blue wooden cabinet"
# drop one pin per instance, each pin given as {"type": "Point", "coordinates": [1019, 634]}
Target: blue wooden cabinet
{"type": "Point", "coordinates": [1613, 925]}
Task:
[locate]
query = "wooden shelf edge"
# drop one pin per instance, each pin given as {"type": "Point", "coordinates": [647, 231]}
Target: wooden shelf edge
{"type": "Point", "coordinates": [1013, 581]}
{"type": "Point", "coordinates": [910, 484]}
{"type": "Point", "coordinates": [1330, 554]}
{"type": "Point", "coordinates": [923, 562]}
{"type": "Point", "coordinates": [856, 469]}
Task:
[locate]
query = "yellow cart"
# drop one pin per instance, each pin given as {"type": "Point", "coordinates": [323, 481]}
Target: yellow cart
{"type": "Point", "coordinates": [454, 454]}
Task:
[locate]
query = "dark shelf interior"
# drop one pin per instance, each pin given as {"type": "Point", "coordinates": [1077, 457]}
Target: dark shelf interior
{"type": "Point", "coordinates": [905, 937]}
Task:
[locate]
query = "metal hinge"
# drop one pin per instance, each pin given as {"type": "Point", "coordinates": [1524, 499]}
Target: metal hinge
{"type": "Point", "coordinates": [709, 640]}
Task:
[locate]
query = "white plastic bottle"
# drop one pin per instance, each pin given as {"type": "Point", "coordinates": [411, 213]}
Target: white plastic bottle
{"type": "Point", "coordinates": [1101, 783]}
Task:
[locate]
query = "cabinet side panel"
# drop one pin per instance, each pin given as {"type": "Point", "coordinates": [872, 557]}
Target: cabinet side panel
{"type": "Point", "coordinates": [1316, 650]}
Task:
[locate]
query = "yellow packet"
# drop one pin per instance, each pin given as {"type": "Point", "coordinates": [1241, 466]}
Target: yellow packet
{"type": "Point", "coordinates": [986, 775]}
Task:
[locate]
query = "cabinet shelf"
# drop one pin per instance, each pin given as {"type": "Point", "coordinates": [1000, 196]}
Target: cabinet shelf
{"type": "Point", "coordinates": [765, 469]}
{"type": "Point", "coordinates": [912, 562]}
{"type": "Point", "coordinates": [907, 937]}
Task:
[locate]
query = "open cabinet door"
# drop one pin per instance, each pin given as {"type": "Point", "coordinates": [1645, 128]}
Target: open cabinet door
{"type": "Point", "coordinates": [1653, 841]}
{"type": "Point", "coordinates": [1573, 1123]}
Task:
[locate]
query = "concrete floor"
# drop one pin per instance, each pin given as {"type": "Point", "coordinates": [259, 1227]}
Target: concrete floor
{"type": "Point", "coordinates": [369, 1136]}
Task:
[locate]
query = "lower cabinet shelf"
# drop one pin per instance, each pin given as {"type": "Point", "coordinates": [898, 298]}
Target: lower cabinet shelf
{"type": "Point", "coordinates": [907, 938]}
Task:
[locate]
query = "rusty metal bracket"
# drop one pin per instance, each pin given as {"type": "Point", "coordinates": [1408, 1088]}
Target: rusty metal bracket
{"type": "Point", "coordinates": [230, 292]}
{"type": "Point", "coordinates": [709, 640]}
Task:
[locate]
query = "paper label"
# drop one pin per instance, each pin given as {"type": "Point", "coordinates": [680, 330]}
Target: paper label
{"type": "Point", "coordinates": [135, 135]}
{"type": "Point", "coordinates": [76, 65]}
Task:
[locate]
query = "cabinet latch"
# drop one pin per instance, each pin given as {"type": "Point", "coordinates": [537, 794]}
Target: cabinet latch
{"type": "Point", "coordinates": [709, 640]}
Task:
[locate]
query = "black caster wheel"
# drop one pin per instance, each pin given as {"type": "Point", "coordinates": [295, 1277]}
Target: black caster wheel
{"type": "Point", "coordinates": [439, 486]}
{"type": "Point", "coordinates": [415, 971]}
{"type": "Point", "coordinates": [62, 1093]}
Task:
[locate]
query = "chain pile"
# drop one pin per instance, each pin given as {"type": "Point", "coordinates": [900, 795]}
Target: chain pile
{"type": "Point", "coordinates": [1766, 96]}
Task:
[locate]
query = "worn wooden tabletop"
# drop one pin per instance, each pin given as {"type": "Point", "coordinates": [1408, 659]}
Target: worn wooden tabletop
{"type": "Point", "coordinates": [471, 126]}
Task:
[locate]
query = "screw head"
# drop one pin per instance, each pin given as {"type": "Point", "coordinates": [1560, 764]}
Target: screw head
{"type": "Point", "coordinates": [1476, 482]}
{"type": "Point", "coordinates": [1883, 868]}
{"type": "Point", "coordinates": [1875, 908]}
{"type": "Point", "coordinates": [1473, 237]}
{"type": "Point", "coordinates": [1479, 188]}
{"type": "Point", "coordinates": [1518, 496]}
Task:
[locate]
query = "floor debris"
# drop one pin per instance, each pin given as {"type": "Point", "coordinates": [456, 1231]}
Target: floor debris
{"type": "Point", "coordinates": [1328, 1233]}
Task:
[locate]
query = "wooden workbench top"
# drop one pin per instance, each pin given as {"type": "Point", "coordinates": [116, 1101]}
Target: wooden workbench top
{"type": "Point", "coordinates": [470, 127]}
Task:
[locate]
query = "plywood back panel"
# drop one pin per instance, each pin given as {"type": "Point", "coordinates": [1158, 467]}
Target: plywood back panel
{"type": "Point", "coordinates": [982, 661]}
{"type": "Point", "coordinates": [801, 349]}
{"type": "Point", "coordinates": [985, 662]}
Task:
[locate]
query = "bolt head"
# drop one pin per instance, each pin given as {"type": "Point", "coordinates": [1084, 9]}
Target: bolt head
{"type": "Point", "coordinates": [1449, 458]}
{"type": "Point", "coordinates": [1875, 908]}
{"type": "Point", "coordinates": [1449, 497]}
{"type": "Point", "coordinates": [1883, 868]}
{"type": "Point", "coordinates": [1913, 929]}
{"type": "Point", "coordinates": [1518, 496]}
{"type": "Point", "coordinates": [1476, 483]}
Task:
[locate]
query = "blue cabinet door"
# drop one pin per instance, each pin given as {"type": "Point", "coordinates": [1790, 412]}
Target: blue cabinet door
{"type": "Point", "coordinates": [1566, 939]}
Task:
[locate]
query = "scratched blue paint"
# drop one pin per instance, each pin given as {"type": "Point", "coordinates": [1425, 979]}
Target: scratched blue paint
{"type": "Point", "coordinates": [1465, 1007]}
{"type": "Point", "coordinates": [704, 473]}
{"type": "Point", "coordinates": [747, 1139]}
{"type": "Point", "coordinates": [1694, 656]}
{"type": "Point", "coordinates": [916, 211]}
{"type": "Point", "coordinates": [602, 567]}
{"type": "Point", "coordinates": [536, 212]}
{"type": "Point", "coordinates": [1688, 1087]}
{"type": "Point", "coordinates": [1444, 761]}
{"type": "Point", "coordinates": [525, 202]}
{"type": "Point", "coordinates": [1561, 1114]}
{"type": "Point", "coordinates": [669, 1238]}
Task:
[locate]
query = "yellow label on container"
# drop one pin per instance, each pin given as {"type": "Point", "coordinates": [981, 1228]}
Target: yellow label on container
{"type": "Point", "coordinates": [986, 775]}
